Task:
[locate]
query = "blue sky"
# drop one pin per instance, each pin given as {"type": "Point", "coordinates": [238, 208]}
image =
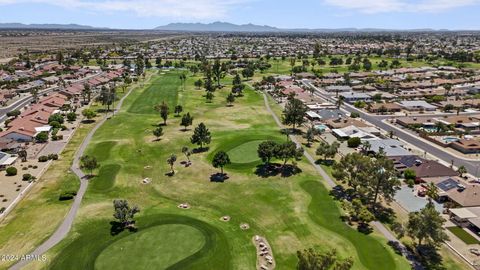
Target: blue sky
{"type": "Point", "coordinates": [146, 14]}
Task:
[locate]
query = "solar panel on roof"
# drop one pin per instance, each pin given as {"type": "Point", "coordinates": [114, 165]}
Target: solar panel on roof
{"type": "Point", "coordinates": [447, 184]}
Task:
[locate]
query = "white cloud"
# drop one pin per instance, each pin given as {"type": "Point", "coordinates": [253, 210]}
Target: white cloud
{"type": "Point", "coordinates": [384, 6]}
{"type": "Point", "coordinates": [179, 9]}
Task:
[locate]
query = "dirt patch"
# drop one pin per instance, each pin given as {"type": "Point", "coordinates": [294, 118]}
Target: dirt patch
{"type": "Point", "coordinates": [225, 218]}
{"type": "Point", "coordinates": [184, 206]}
{"type": "Point", "coordinates": [244, 226]}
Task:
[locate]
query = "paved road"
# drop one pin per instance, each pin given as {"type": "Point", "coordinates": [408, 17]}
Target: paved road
{"type": "Point", "coordinates": [66, 225]}
{"type": "Point", "coordinates": [381, 228]}
{"type": "Point", "coordinates": [471, 165]}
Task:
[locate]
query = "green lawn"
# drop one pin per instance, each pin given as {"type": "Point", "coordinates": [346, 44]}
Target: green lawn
{"type": "Point", "coordinates": [155, 248]}
{"type": "Point", "coordinates": [160, 89]}
{"type": "Point", "coordinates": [292, 213]}
{"type": "Point", "coordinates": [245, 153]}
{"type": "Point", "coordinates": [463, 235]}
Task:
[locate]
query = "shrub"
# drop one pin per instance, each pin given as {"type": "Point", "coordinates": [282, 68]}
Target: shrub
{"type": "Point", "coordinates": [13, 113]}
{"type": "Point", "coordinates": [53, 156]}
{"type": "Point", "coordinates": [71, 116]}
{"type": "Point", "coordinates": [11, 171]}
{"type": "Point", "coordinates": [35, 166]}
{"type": "Point", "coordinates": [354, 142]}
{"type": "Point", "coordinates": [55, 124]}
{"type": "Point", "coordinates": [67, 195]}
{"type": "Point", "coordinates": [42, 137]}
{"type": "Point", "coordinates": [354, 115]}
{"type": "Point", "coordinates": [2, 210]}
{"type": "Point", "coordinates": [27, 177]}
{"type": "Point", "coordinates": [42, 159]}
{"type": "Point", "coordinates": [56, 118]}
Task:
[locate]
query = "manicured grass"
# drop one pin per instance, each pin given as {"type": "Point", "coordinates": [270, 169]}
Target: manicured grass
{"type": "Point", "coordinates": [106, 178]}
{"type": "Point", "coordinates": [103, 150]}
{"type": "Point", "coordinates": [161, 89]}
{"type": "Point", "coordinates": [276, 207]}
{"type": "Point", "coordinates": [183, 243]}
{"type": "Point", "coordinates": [325, 212]}
{"type": "Point", "coordinates": [157, 247]}
{"type": "Point", "coordinates": [463, 235]}
{"type": "Point", "coordinates": [245, 153]}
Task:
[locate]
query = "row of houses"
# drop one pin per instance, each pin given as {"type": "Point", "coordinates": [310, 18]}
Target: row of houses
{"type": "Point", "coordinates": [34, 119]}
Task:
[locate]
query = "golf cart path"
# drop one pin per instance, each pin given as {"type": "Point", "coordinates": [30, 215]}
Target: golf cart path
{"type": "Point", "coordinates": [62, 231]}
{"type": "Point", "coordinates": [380, 227]}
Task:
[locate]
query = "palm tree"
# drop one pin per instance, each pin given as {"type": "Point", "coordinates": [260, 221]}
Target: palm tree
{"type": "Point", "coordinates": [432, 192]}
{"type": "Point", "coordinates": [366, 146]}
{"type": "Point", "coordinates": [340, 101]}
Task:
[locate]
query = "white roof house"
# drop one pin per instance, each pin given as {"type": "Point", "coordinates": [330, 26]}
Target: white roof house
{"type": "Point", "coordinates": [353, 131]}
{"type": "Point", "coordinates": [415, 105]}
{"type": "Point", "coordinates": [7, 159]}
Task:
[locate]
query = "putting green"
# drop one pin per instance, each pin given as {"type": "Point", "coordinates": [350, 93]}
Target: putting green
{"type": "Point", "coordinates": [148, 249]}
{"type": "Point", "coordinates": [245, 153]}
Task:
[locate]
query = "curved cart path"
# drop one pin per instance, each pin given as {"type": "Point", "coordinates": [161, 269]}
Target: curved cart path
{"type": "Point", "coordinates": [62, 231]}
{"type": "Point", "coordinates": [381, 228]}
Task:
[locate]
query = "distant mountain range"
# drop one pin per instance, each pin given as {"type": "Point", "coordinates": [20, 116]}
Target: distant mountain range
{"type": "Point", "coordinates": [230, 27]}
{"type": "Point", "coordinates": [47, 26]}
{"type": "Point", "coordinates": [211, 27]}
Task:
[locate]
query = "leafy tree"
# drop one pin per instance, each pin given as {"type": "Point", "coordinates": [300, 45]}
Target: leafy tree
{"type": "Point", "coordinates": [220, 160]}
{"type": "Point", "coordinates": [309, 259]}
{"type": "Point", "coordinates": [327, 150]}
{"type": "Point", "coordinates": [248, 72]}
{"type": "Point", "coordinates": [237, 80]}
{"type": "Point", "coordinates": [56, 117]}
{"type": "Point", "coordinates": [186, 151]}
{"type": "Point", "coordinates": [187, 120]}
{"type": "Point", "coordinates": [230, 98]}
{"type": "Point", "coordinates": [183, 78]}
{"type": "Point", "coordinates": [266, 151]}
{"type": "Point", "coordinates": [123, 212]}
{"type": "Point", "coordinates": [158, 132]}
{"type": "Point", "coordinates": [71, 116]}
{"type": "Point", "coordinates": [294, 112]}
{"type": "Point", "coordinates": [89, 114]}
{"type": "Point", "coordinates": [310, 135]}
{"type": "Point", "coordinates": [209, 96]}
{"type": "Point", "coordinates": [427, 225]}
{"type": "Point", "coordinates": [354, 142]}
{"type": "Point", "coordinates": [178, 109]}
{"type": "Point", "coordinates": [89, 163]}
{"type": "Point", "coordinates": [462, 170]}
{"type": "Point", "coordinates": [13, 113]}
{"type": "Point", "coordinates": [139, 65]}
{"type": "Point", "coordinates": [163, 110]}
{"type": "Point", "coordinates": [201, 135]}
{"type": "Point", "coordinates": [382, 181]}
{"type": "Point", "coordinates": [219, 70]}
{"type": "Point", "coordinates": [198, 83]}
{"type": "Point", "coordinates": [365, 147]}
{"type": "Point", "coordinates": [171, 161]}
{"type": "Point", "coordinates": [41, 137]}
{"type": "Point", "coordinates": [286, 151]}
{"type": "Point", "coordinates": [409, 174]}
{"type": "Point", "coordinates": [353, 169]}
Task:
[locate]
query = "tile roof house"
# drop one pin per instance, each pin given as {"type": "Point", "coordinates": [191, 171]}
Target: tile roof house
{"type": "Point", "coordinates": [423, 168]}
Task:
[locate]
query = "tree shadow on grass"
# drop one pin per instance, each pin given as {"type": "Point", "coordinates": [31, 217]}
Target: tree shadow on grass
{"type": "Point", "coordinates": [200, 150]}
{"type": "Point", "coordinates": [273, 169]}
{"type": "Point", "coordinates": [326, 162]}
{"type": "Point", "coordinates": [118, 227]}
{"type": "Point", "coordinates": [429, 257]}
{"type": "Point", "coordinates": [88, 121]}
{"type": "Point", "coordinates": [365, 228]}
{"type": "Point", "coordinates": [384, 214]}
{"type": "Point", "coordinates": [219, 177]}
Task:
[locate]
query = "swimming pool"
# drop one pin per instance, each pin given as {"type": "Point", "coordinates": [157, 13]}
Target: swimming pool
{"type": "Point", "coordinates": [321, 127]}
{"type": "Point", "coordinates": [450, 139]}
